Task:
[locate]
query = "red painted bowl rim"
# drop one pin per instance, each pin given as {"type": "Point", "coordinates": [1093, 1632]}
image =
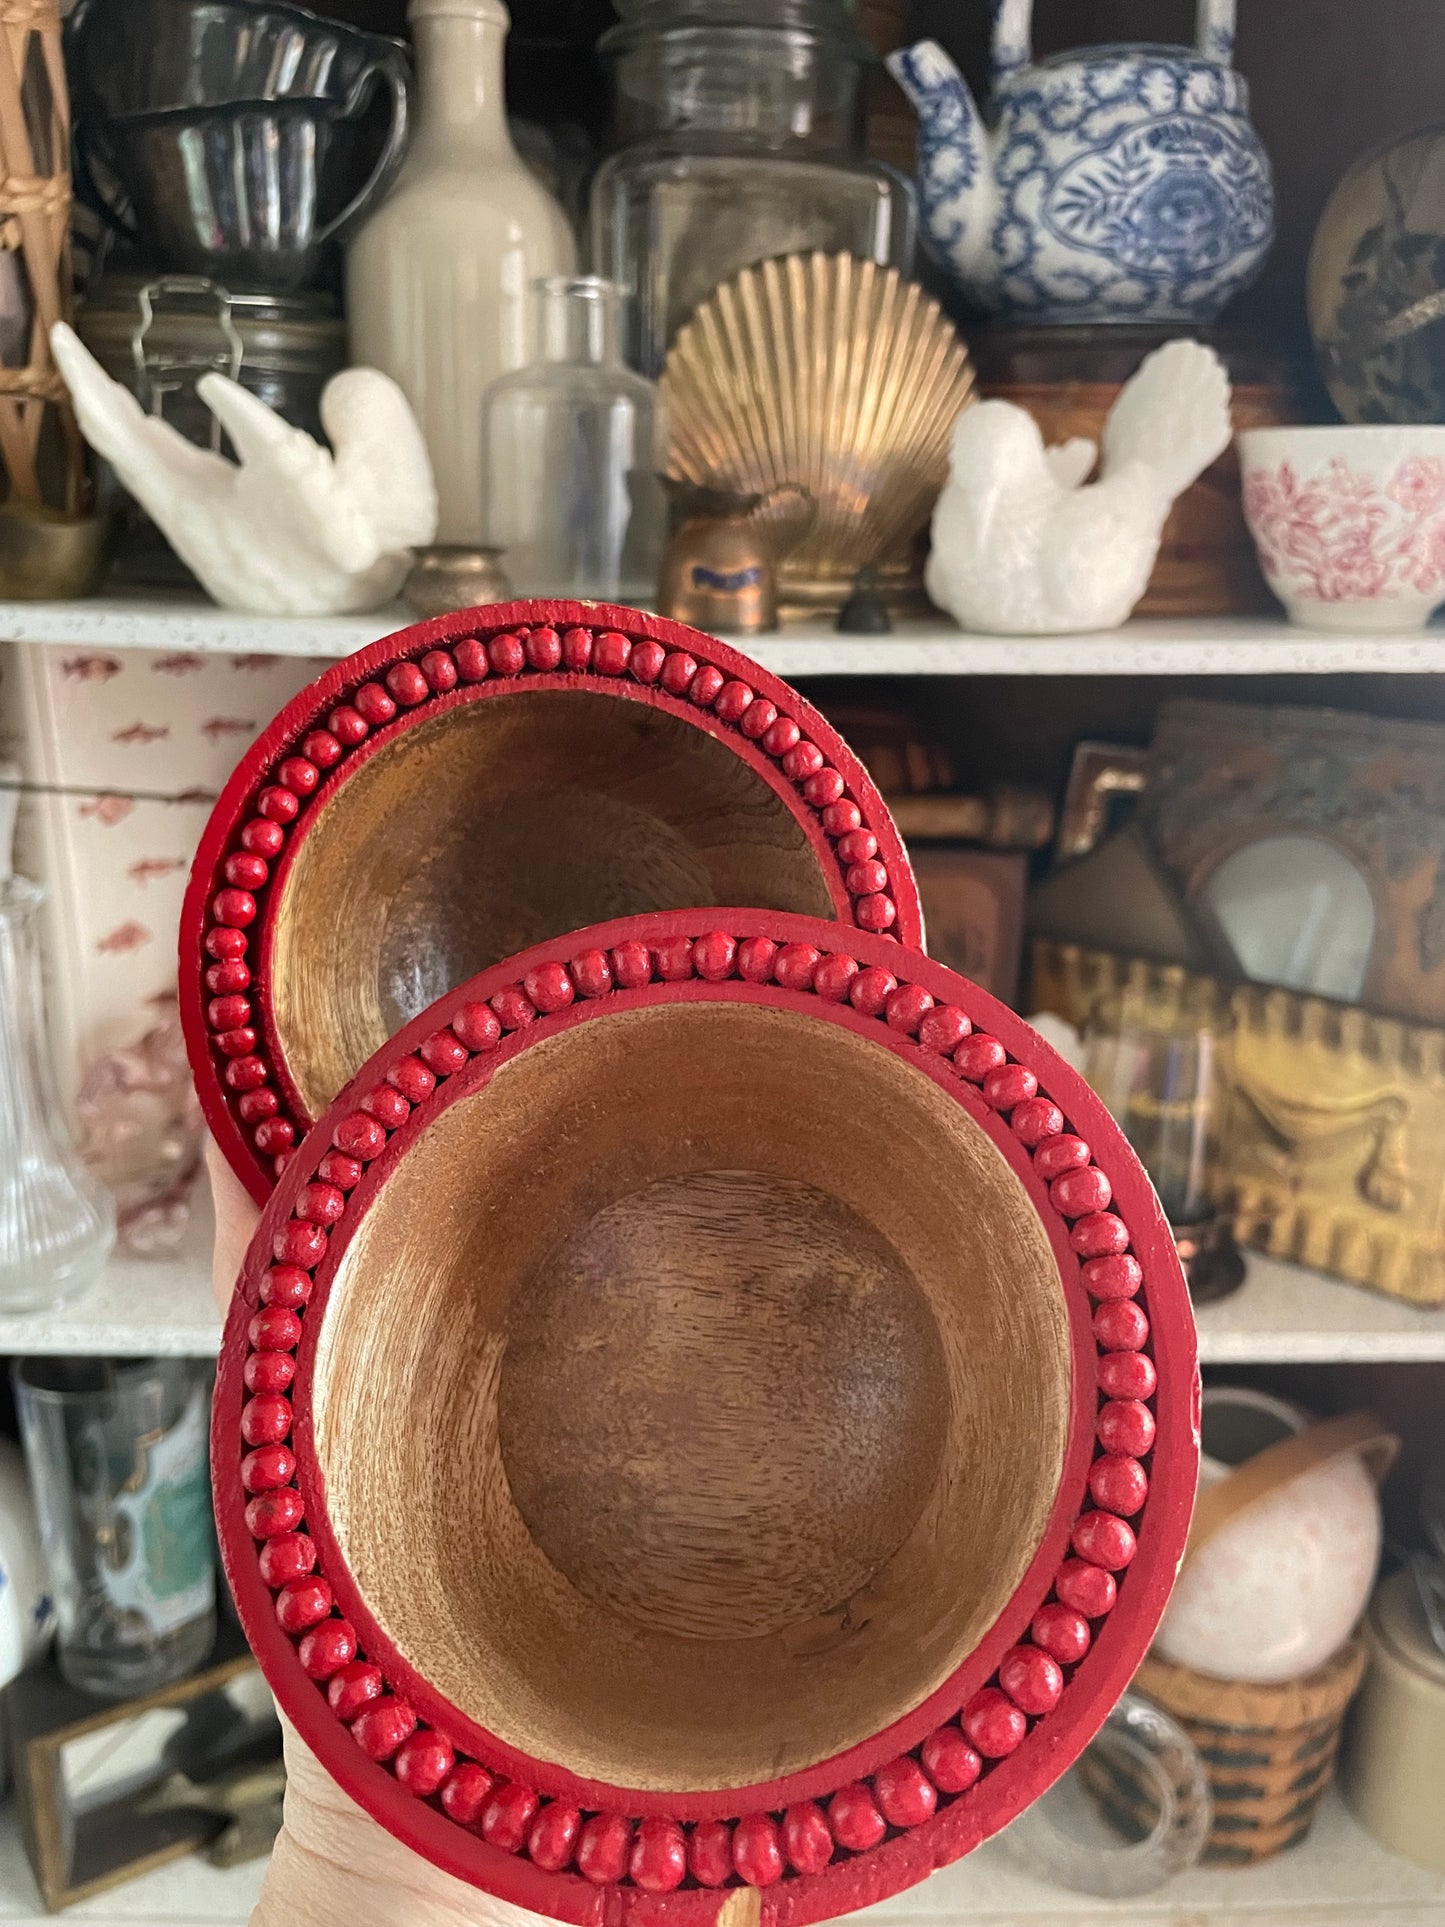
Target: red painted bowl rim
{"type": "Point", "coordinates": [727, 968]}
{"type": "Point", "coordinates": [234, 1090]}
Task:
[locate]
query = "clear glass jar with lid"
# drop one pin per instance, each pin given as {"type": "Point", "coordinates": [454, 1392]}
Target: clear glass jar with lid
{"type": "Point", "coordinates": [740, 138]}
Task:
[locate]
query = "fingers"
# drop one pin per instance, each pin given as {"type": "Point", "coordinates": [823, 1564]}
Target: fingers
{"type": "Point", "coordinates": [335, 1867]}
{"type": "Point", "coordinates": [236, 1219]}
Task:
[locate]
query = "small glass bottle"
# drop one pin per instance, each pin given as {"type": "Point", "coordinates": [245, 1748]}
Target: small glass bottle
{"type": "Point", "coordinates": [437, 277]}
{"type": "Point", "coordinates": [1153, 1058]}
{"type": "Point", "coordinates": [740, 138]}
{"type": "Point", "coordinates": [571, 448]}
{"type": "Point", "coordinates": [57, 1221]}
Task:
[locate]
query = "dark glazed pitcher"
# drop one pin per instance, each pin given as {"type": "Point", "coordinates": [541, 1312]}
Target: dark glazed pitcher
{"type": "Point", "coordinates": [217, 136]}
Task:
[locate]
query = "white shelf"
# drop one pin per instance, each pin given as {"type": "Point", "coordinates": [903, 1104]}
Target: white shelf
{"type": "Point", "coordinates": [140, 1308]}
{"type": "Point", "coordinates": [186, 1893]}
{"type": "Point", "coordinates": [1283, 1314]}
{"type": "Point", "coordinates": [1217, 646]}
{"type": "Point", "coordinates": [1287, 1315]}
{"type": "Point", "coordinates": [1338, 1875]}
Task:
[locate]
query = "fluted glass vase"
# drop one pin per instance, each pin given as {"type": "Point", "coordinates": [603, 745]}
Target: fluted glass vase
{"type": "Point", "coordinates": [57, 1222]}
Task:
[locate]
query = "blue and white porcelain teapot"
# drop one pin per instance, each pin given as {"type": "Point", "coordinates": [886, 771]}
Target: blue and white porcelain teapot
{"type": "Point", "coordinates": [1119, 183]}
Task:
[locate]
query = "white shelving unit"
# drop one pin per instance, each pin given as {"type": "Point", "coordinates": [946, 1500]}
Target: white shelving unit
{"type": "Point", "coordinates": [1338, 1877]}
{"type": "Point", "coordinates": [186, 1893]}
{"type": "Point", "coordinates": [1218, 646]}
{"type": "Point", "coordinates": [1284, 1314]}
{"type": "Point", "coordinates": [141, 1307]}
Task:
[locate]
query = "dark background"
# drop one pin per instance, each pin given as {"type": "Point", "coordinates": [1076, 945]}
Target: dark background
{"type": "Point", "coordinates": [1329, 79]}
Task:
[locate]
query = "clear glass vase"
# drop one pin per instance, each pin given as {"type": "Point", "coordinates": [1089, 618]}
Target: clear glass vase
{"type": "Point", "coordinates": [1154, 1059]}
{"type": "Point", "coordinates": [740, 139]}
{"type": "Point", "coordinates": [571, 448]}
{"type": "Point", "coordinates": [118, 1464]}
{"type": "Point", "coordinates": [57, 1221]}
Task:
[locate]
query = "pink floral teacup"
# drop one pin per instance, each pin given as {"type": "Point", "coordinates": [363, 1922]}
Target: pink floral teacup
{"type": "Point", "coordinates": [1349, 522]}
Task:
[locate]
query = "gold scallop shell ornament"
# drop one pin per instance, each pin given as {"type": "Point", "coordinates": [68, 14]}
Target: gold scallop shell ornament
{"type": "Point", "coordinates": [838, 376]}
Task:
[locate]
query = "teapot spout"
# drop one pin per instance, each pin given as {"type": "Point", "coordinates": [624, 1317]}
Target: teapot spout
{"type": "Point", "coordinates": [956, 188]}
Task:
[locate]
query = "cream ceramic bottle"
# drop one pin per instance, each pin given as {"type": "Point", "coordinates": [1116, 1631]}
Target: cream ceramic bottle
{"type": "Point", "coordinates": [437, 280]}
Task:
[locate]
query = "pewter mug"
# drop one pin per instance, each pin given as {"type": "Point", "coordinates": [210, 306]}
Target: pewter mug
{"type": "Point", "coordinates": [219, 137]}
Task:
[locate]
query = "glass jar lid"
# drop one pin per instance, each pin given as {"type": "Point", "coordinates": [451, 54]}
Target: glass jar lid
{"type": "Point", "coordinates": [825, 20]}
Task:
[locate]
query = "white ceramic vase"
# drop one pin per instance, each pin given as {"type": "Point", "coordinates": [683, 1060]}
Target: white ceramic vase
{"type": "Point", "coordinates": [438, 280]}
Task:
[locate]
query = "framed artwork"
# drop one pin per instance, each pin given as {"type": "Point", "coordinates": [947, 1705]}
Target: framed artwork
{"type": "Point", "coordinates": [973, 909]}
{"type": "Point", "coordinates": [107, 1792]}
{"type": "Point", "coordinates": [1314, 842]}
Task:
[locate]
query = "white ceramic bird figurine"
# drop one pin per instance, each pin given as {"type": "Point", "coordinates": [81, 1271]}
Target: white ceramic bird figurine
{"type": "Point", "coordinates": [1023, 545]}
{"type": "Point", "coordinates": [291, 528]}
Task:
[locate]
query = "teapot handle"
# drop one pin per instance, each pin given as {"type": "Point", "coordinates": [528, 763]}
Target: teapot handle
{"type": "Point", "coordinates": [1214, 31]}
{"type": "Point", "coordinates": [1013, 45]}
{"type": "Point", "coordinates": [1013, 37]}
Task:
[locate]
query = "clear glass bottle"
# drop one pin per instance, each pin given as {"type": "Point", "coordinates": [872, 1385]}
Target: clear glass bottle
{"type": "Point", "coordinates": [740, 138]}
{"type": "Point", "coordinates": [57, 1221]}
{"type": "Point", "coordinates": [571, 449]}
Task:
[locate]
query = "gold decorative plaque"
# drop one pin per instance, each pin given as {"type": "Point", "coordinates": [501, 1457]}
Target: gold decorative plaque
{"type": "Point", "coordinates": [1330, 1147]}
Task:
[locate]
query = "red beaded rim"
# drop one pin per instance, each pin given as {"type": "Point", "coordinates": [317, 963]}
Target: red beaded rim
{"type": "Point", "coordinates": [951, 1772]}
{"type": "Point", "coordinates": [328, 731]}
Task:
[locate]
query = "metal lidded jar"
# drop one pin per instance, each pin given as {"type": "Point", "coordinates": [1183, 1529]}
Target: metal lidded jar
{"type": "Point", "coordinates": [158, 335]}
{"type": "Point", "coordinates": [739, 130]}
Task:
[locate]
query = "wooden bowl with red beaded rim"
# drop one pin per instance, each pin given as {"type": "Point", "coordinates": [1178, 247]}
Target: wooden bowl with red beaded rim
{"type": "Point", "coordinates": [710, 1413]}
{"type": "Point", "coordinates": [474, 785]}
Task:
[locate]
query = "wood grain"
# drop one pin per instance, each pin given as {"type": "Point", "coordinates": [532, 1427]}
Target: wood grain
{"type": "Point", "coordinates": [717, 1324]}
{"type": "Point", "coordinates": [835, 1334]}
{"type": "Point", "coordinates": [491, 826]}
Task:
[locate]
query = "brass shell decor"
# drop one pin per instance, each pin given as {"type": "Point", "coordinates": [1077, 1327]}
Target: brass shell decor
{"type": "Point", "coordinates": [838, 375]}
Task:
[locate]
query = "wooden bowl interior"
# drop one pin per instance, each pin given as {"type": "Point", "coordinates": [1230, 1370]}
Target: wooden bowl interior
{"type": "Point", "coordinates": [493, 826]}
{"type": "Point", "coordinates": [692, 1399]}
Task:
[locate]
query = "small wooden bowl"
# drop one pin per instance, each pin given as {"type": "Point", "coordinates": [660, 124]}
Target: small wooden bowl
{"type": "Point", "coordinates": [471, 786]}
{"type": "Point", "coordinates": [660, 1415]}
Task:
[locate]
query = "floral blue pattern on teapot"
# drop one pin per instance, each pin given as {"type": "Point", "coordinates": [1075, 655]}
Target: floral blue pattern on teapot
{"type": "Point", "coordinates": [1116, 183]}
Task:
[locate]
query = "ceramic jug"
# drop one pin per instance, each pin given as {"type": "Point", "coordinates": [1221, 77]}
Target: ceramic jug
{"type": "Point", "coordinates": [1122, 183]}
{"type": "Point", "coordinates": [438, 280]}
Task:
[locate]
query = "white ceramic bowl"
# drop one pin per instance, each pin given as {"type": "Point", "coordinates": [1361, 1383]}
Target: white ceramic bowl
{"type": "Point", "coordinates": [1349, 522]}
{"type": "Point", "coordinates": [1278, 1589]}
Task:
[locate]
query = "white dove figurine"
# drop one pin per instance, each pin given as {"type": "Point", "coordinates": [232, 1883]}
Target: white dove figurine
{"type": "Point", "coordinates": [1024, 546]}
{"type": "Point", "coordinates": [292, 528]}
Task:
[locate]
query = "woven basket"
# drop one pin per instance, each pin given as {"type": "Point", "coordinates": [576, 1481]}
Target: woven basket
{"type": "Point", "coordinates": [35, 200]}
{"type": "Point", "coordinates": [1269, 1752]}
